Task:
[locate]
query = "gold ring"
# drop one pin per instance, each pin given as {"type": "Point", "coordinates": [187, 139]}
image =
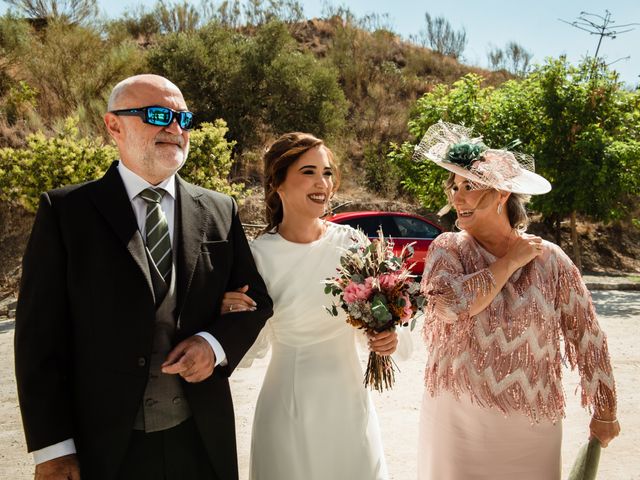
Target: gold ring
{"type": "Point", "coordinates": [230, 308]}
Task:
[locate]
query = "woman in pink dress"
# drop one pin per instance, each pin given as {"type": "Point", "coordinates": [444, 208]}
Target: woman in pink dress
{"type": "Point", "coordinates": [500, 301]}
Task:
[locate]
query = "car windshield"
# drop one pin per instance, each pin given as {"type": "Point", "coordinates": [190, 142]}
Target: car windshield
{"type": "Point", "coordinates": [393, 226]}
{"type": "Point", "coordinates": [369, 225]}
{"type": "Point", "coordinates": [410, 227]}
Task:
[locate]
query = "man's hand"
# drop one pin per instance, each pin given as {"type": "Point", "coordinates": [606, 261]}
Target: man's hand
{"type": "Point", "coordinates": [193, 359]}
{"type": "Point", "coordinates": [61, 468]}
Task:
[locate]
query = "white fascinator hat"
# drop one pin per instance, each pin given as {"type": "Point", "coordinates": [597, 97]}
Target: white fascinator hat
{"type": "Point", "coordinates": [454, 148]}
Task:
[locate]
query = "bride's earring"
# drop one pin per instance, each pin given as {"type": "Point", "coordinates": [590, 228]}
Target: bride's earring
{"type": "Point", "coordinates": [456, 224]}
{"type": "Point", "coordinates": [499, 208]}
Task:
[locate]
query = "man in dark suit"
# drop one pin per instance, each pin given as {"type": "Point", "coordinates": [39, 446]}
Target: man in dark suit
{"type": "Point", "coordinates": [122, 356]}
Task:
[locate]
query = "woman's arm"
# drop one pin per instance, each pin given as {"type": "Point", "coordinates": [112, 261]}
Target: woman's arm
{"type": "Point", "coordinates": [586, 348]}
{"type": "Point", "coordinates": [454, 294]}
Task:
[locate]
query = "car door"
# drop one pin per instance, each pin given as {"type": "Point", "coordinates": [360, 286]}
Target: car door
{"type": "Point", "coordinates": [411, 229]}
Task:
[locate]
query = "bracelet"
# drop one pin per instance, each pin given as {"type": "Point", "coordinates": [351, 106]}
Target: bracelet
{"type": "Point", "coordinates": [615, 420]}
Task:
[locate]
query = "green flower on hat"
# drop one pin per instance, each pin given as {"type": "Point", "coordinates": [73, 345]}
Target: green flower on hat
{"type": "Point", "coordinates": [464, 154]}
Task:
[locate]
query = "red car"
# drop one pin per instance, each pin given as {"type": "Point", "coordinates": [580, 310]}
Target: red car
{"type": "Point", "coordinates": [403, 228]}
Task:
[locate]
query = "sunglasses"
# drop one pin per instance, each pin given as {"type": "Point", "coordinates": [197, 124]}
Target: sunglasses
{"type": "Point", "coordinates": [158, 116]}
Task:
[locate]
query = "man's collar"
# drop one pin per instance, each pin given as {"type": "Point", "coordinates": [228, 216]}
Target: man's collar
{"type": "Point", "coordinates": [134, 184]}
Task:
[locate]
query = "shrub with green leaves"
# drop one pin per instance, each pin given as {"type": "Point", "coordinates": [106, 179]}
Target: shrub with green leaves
{"type": "Point", "coordinates": [380, 175]}
{"type": "Point", "coordinates": [259, 83]}
{"type": "Point", "coordinates": [577, 121]}
{"type": "Point", "coordinates": [209, 162]}
{"type": "Point", "coordinates": [68, 158]}
{"type": "Point", "coordinates": [48, 163]}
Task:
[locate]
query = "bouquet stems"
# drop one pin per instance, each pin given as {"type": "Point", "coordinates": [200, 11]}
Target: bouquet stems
{"type": "Point", "coordinates": [380, 373]}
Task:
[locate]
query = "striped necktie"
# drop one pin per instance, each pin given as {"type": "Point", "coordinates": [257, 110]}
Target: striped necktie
{"type": "Point", "coordinates": [157, 232]}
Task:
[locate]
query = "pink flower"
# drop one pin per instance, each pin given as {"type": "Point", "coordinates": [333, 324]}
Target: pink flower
{"type": "Point", "coordinates": [388, 281]}
{"type": "Point", "coordinates": [407, 311]}
{"type": "Point", "coordinates": [357, 291]}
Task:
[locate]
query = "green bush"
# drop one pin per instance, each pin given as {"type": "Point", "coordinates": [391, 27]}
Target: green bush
{"type": "Point", "coordinates": [577, 121]}
{"type": "Point", "coordinates": [259, 83]}
{"type": "Point", "coordinates": [19, 102]}
{"type": "Point", "coordinates": [68, 158]}
{"type": "Point", "coordinates": [73, 69]}
{"type": "Point", "coordinates": [380, 175]}
{"type": "Point", "coordinates": [209, 162]}
{"type": "Point", "coordinates": [48, 163]}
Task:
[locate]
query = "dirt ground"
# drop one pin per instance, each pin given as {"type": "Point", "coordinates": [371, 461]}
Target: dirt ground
{"type": "Point", "coordinates": [398, 410]}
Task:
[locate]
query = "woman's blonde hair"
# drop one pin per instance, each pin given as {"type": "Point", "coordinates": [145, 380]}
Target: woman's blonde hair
{"type": "Point", "coordinates": [516, 206]}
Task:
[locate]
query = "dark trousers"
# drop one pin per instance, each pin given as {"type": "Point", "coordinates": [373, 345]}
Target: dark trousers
{"type": "Point", "coordinates": [173, 454]}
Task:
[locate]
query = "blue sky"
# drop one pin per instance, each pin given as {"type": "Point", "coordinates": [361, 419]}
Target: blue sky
{"type": "Point", "coordinates": [532, 24]}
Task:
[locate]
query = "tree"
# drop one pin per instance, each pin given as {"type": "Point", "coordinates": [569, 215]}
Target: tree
{"type": "Point", "coordinates": [69, 11]}
{"type": "Point", "coordinates": [514, 58]}
{"type": "Point", "coordinates": [138, 23]}
{"type": "Point", "coordinates": [442, 38]}
{"type": "Point", "coordinates": [73, 69]}
{"type": "Point", "coordinates": [14, 40]}
{"type": "Point", "coordinates": [601, 26]}
{"type": "Point", "coordinates": [234, 14]}
{"type": "Point", "coordinates": [260, 84]}
{"type": "Point", "coordinates": [583, 131]}
{"type": "Point", "coordinates": [177, 17]}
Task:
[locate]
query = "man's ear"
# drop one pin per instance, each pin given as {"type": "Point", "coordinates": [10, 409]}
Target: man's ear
{"type": "Point", "coordinates": [114, 125]}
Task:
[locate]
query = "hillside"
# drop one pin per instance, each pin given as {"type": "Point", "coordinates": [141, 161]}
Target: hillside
{"type": "Point", "coordinates": [382, 76]}
{"type": "Point", "coordinates": [377, 78]}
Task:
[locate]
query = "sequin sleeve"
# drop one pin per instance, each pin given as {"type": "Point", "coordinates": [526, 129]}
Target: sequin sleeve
{"type": "Point", "coordinates": [585, 342]}
{"type": "Point", "coordinates": [451, 291]}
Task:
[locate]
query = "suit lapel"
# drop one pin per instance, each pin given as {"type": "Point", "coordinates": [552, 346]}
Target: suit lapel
{"type": "Point", "coordinates": [110, 198]}
{"type": "Point", "coordinates": [191, 227]}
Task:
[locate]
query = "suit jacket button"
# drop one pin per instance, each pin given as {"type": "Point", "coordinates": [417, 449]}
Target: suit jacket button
{"type": "Point", "coordinates": [177, 401]}
{"type": "Point", "coordinates": [150, 402]}
{"type": "Point", "coordinates": [142, 361]}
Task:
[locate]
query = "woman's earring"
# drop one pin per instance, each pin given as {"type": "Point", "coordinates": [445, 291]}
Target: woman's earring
{"type": "Point", "coordinates": [499, 208]}
{"type": "Point", "coordinates": [456, 224]}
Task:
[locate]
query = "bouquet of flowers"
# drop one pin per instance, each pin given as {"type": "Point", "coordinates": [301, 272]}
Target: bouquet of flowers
{"type": "Point", "coordinates": [376, 289]}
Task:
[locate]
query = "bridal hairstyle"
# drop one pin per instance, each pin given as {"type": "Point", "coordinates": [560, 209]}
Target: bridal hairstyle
{"type": "Point", "coordinates": [282, 153]}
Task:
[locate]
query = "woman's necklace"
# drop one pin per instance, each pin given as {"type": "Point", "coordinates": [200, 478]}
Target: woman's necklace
{"type": "Point", "coordinates": [497, 249]}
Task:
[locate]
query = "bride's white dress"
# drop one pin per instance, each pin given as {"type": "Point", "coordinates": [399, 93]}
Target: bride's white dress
{"type": "Point", "coordinates": [314, 419]}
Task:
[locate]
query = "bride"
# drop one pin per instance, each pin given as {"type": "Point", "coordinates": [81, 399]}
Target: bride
{"type": "Point", "coordinates": [314, 419]}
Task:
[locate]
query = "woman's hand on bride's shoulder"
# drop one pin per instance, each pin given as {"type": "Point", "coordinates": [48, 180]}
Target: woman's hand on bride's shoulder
{"type": "Point", "coordinates": [237, 301]}
{"type": "Point", "coordinates": [383, 343]}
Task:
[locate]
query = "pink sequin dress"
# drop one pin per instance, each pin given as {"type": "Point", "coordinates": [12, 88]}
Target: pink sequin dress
{"type": "Point", "coordinates": [493, 401]}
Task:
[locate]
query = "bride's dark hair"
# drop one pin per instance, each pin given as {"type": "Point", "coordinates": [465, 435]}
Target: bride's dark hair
{"type": "Point", "coordinates": [282, 153]}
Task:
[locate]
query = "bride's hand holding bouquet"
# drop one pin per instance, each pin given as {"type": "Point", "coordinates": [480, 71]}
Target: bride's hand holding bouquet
{"type": "Point", "coordinates": [377, 291]}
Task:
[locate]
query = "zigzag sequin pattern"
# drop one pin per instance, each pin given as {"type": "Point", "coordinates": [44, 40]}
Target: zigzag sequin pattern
{"type": "Point", "coordinates": [509, 355]}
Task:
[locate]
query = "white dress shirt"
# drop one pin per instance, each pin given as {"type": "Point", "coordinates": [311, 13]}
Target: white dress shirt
{"type": "Point", "coordinates": [134, 185]}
